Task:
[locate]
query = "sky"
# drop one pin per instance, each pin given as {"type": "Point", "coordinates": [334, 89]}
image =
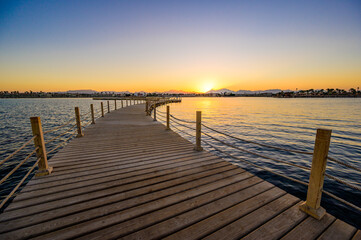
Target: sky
{"type": "Point", "coordinates": [182, 45]}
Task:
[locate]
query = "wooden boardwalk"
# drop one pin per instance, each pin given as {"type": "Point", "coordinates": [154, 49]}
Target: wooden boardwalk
{"type": "Point", "coordinates": [130, 178]}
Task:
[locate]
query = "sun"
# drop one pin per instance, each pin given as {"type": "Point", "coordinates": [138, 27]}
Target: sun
{"type": "Point", "coordinates": [206, 87]}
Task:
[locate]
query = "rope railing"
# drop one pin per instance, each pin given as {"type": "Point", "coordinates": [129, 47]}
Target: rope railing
{"type": "Point", "coordinates": [61, 126]}
{"type": "Point", "coordinates": [86, 124]}
{"type": "Point", "coordinates": [343, 182]}
{"type": "Point", "coordinates": [19, 184]}
{"type": "Point", "coordinates": [62, 134]}
{"type": "Point", "coordinates": [17, 150]}
{"type": "Point", "coordinates": [260, 144]}
{"type": "Point", "coordinates": [19, 165]}
{"type": "Point", "coordinates": [257, 154]}
{"type": "Point", "coordinates": [84, 114]}
{"type": "Point", "coordinates": [159, 111]}
{"type": "Point", "coordinates": [180, 124]}
{"type": "Point", "coordinates": [257, 166]}
{"type": "Point", "coordinates": [342, 200]}
{"type": "Point", "coordinates": [62, 144]}
{"type": "Point", "coordinates": [182, 131]}
{"type": "Point", "coordinates": [185, 121]}
{"type": "Point", "coordinates": [344, 164]}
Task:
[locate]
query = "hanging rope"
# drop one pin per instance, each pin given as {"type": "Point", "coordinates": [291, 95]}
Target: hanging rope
{"type": "Point", "coordinates": [257, 154]}
{"type": "Point", "coordinates": [19, 184]}
{"type": "Point", "coordinates": [21, 163]}
{"type": "Point", "coordinates": [255, 165]}
{"type": "Point", "coordinates": [260, 144]}
{"type": "Point", "coordinates": [185, 121]}
{"type": "Point", "coordinates": [63, 125]}
{"type": "Point", "coordinates": [61, 144]}
{"type": "Point", "coordinates": [180, 124]}
{"type": "Point", "coordinates": [62, 134]}
{"type": "Point", "coordinates": [341, 200]}
{"type": "Point", "coordinates": [20, 148]}
{"type": "Point", "coordinates": [181, 130]}
{"type": "Point", "coordinates": [343, 182]}
{"type": "Point", "coordinates": [344, 164]}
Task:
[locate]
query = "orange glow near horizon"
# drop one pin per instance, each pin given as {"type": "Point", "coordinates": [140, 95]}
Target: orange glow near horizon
{"type": "Point", "coordinates": [156, 47]}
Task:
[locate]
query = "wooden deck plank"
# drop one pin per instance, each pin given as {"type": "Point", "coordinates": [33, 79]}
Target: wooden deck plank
{"type": "Point", "coordinates": [357, 235]}
{"type": "Point", "coordinates": [240, 227]}
{"type": "Point", "coordinates": [189, 210]}
{"type": "Point", "coordinates": [310, 228]}
{"type": "Point", "coordinates": [276, 227]}
{"type": "Point", "coordinates": [338, 230]}
{"type": "Point", "coordinates": [209, 225]}
{"type": "Point", "coordinates": [129, 178]}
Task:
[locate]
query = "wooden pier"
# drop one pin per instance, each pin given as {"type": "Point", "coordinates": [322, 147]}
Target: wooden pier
{"type": "Point", "coordinates": [128, 177]}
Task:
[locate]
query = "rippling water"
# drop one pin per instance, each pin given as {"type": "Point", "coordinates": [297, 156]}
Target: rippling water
{"type": "Point", "coordinates": [286, 123]}
{"type": "Point", "coordinates": [291, 124]}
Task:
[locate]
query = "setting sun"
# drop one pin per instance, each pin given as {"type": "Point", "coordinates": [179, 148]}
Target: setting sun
{"type": "Point", "coordinates": [206, 87]}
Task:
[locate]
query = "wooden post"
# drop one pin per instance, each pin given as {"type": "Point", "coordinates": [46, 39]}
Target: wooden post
{"type": "Point", "coordinates": [147, 108]}
{"type": "Point", "coordinates": [115, 104]}
{"type": "Point", "coordinates": [78, 123]}
{"type": "Point", "coordinates": [122, 102]}
{"type": "Point", "coordinates": [44, 168]}
{"type": "Point", "coordinates": [198, 146]}
{"type": "Point", "coordinates": [108, 107]}
{"type": "Point", "coordinates": [126, 103]}
{"type": "Point", "coordinates": [101, 104]}
{"type": "Point", "coordinates": [317, 175]}
{"type": "Point", "coordinates": [168, 128]}
{"type": "Point", "coordinates": [92, 111]}
{"type": "Point", "coordinates": [154, 113]}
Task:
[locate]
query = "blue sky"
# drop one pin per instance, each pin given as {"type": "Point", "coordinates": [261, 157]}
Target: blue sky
{"type": "Point", "coordinates": [172, 44]}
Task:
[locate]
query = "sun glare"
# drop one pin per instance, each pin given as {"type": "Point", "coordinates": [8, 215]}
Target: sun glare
{"type": "Point", "coordinates": [206, 87]}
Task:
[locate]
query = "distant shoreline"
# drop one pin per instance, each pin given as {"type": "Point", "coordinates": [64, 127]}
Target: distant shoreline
{"type": "Point", "coordinates": [186, 96]}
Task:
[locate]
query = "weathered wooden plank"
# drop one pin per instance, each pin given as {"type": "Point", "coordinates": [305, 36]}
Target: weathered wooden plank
{"type": "Point", "coordinates": [357, 235]}
{"type": "Point", "coordinates": [207, 226]}
{"type": "Point", "coordinates": [255, 219]}
{"type": "Point", "coordinates": [338, 230]}
{"type": "Point", "coordinates": [276, 227]}
{"type": "Point", "coordinates": [310, 228]}
{"type": "Point", "coordinates": [181, 220]}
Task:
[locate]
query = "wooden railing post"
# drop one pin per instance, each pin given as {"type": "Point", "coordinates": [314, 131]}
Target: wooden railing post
{"type": "Point", "coordinates": [115, 104]}
{"type": "Point", "coordinates": [154, 113]}
{"type": "Point", "coordinates": [108, 107]}
{"type": "Point", "coordinates": [126, 103]}
{"type": "Point", "coordinates": [101, 104]}
{"type": "Point", "coordinates": [317, 175]}
{"type": "Point", "coordinates": [198, 146]}
{"type": "Point", "coordinates": [44, 168]}
{"type": "Point", "coordinates": [78, 123]}
{"type": "Point", "coordinates": [92, 111]}
{"type": "Point", "coordinates": [147, 108]}
{"type": "Point", "coordinates": [122, 103]}
{"type": "Point", "coordinates": [168, 128]}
